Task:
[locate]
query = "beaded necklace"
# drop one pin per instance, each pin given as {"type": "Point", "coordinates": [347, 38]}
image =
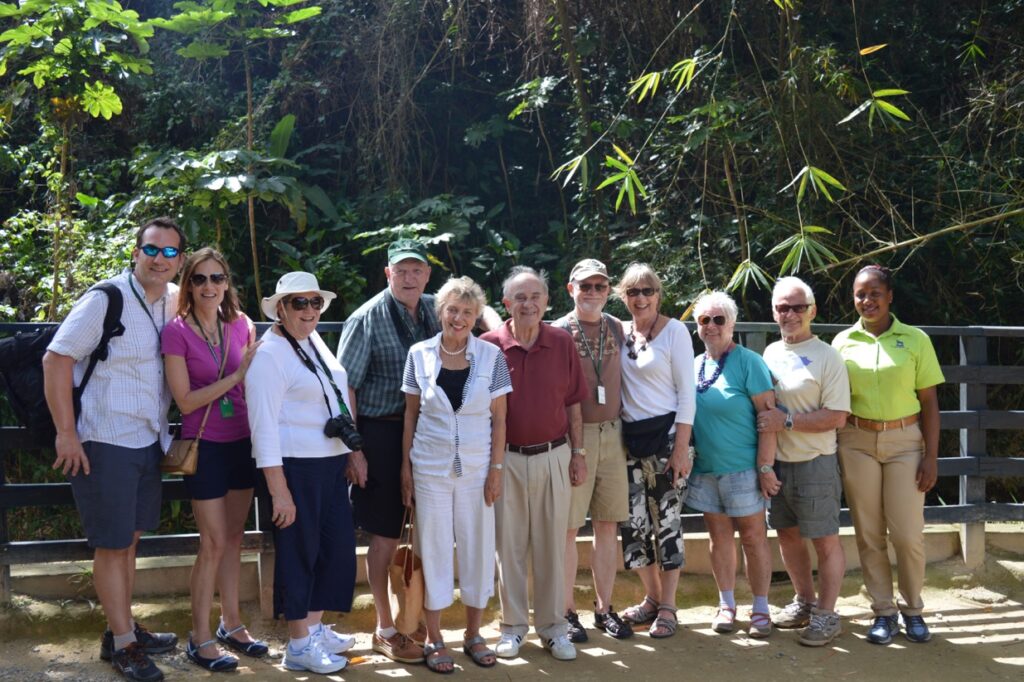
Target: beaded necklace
{"type": "Point", "coordinates": [704, 384]}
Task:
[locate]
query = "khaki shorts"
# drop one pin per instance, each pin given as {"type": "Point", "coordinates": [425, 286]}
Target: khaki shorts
{"type": "Point", "coordinates": [606, 492]}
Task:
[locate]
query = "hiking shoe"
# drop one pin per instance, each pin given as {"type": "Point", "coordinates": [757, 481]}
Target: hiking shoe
{"type": "Point", "coordinates": [824, 626]}
{"type": "Point", "coordinates": [133, 663]}
{"type": "Point", "coordinates": [313, 658]}
{"type": "Point", "coordinates": [883, 628]}
{"type": "Point", "coordinates": [332, 642]}
{"type": "Point", "coordinates": [577, 633]}
{"type": "Point", "coordinates": [915, 629]}
{"type": "Point", "coordinates": [151, 642]}
{"type": "Point", "coordinates": [795, 614]}
{"type": "Point", "coordinates": [612, 624]}
{"type": "Point", "coordinates": [561, 648]}
{"type": "Point", "coordinates": [508, 645]}
{"type": "Point", "coordinates": [398, 647]}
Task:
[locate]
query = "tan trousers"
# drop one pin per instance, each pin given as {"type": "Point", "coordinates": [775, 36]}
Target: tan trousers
{"type": "Point", "coordinates": [879, 472]}
{"type": "Point", "coordinates": [531, 517]}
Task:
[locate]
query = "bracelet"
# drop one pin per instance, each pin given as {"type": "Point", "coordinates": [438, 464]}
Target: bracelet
{"type": "Point", "coordinates": [498, 467]}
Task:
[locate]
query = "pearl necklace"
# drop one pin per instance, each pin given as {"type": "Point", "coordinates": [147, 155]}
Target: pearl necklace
{"type": "Point", "coordinates": [460, 351]}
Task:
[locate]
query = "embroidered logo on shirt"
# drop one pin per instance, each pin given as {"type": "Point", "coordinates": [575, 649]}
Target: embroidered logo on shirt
{"type": "Point", "coordinates": [806, 360]}
{"type": "Point", "coordinates": [899, 343]}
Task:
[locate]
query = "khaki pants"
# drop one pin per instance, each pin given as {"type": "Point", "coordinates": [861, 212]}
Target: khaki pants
{"type": "Point", "coordinates": [879, 472]}
{"type": "Point", "coordinates": [531, 517]}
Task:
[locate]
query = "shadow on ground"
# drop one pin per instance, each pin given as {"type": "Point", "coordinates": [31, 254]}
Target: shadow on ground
{"type": "Point", "coordinates": [977, 621]}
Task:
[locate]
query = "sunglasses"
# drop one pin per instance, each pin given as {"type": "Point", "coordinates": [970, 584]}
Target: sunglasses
{"type": "Point", "coordinates": [199, 279]}
{"type": "Point", "coordinates": [799, 308]}
{"type": "Point", "coordinates": [168, 251]}
{"type": "Point", "coordinates": [705, 320]}
{"type": "Point", "coordinates": [301, 302]}
{"type": "Point", "coordinates": [645, 291]}
{"type": "Point", "coordinates": [587, 287]}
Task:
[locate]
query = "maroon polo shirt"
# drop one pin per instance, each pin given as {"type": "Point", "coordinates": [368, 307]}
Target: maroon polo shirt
{"type": "Point", "coordinates": [546, 378]}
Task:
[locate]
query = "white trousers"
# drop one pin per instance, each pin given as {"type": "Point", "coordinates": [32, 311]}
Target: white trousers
{"type": "Point", "coordinates": [451, 511]}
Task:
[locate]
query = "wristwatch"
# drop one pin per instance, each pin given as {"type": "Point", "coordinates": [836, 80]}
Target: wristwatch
{"type": "Point", "coordinates": [789, 421]}
{"type": "Point", "coordinates": [579, 451]}
{"type": "Point", "coordinates": [765, 469]}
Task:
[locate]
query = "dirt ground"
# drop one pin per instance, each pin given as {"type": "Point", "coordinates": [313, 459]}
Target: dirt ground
{"type": "Point", "coordinates": [977, 621]}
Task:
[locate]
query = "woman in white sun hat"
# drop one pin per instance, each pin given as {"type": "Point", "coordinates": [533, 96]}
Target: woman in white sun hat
{"type": "Point", "coordinates": [301, 417]}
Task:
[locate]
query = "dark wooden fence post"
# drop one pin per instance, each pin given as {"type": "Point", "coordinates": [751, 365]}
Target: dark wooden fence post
{"type": "Point", "coordinates": [5, 569]}
{"type": "Point", "coordinates": [973, 352]}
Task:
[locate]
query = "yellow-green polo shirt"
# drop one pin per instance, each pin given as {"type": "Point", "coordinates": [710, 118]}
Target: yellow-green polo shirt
{"type": "Point", "coordinates": [886, 372]}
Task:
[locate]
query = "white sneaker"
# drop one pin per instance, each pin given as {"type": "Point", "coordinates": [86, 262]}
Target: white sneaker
{"type": "Point", "coordinates": [333, 642]}
{"type": "Point", "coordinates": [313, 658]}
{"type": "Point", "coordinates": [561, 648]}
{"type": "Point", "coordinates": [508, 645]}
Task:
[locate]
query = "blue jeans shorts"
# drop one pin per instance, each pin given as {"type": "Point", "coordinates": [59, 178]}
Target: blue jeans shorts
{"type": "Point", "coordinates": [735, 494]}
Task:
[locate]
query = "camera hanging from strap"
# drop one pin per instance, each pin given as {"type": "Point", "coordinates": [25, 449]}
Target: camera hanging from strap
{"type": "Point", "coordinates": [308, 362]}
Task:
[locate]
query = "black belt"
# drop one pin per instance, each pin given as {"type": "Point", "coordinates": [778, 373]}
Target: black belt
{"type": "Point", "coordinates": [539, 448]}
{"type": "Point", "coordinates": [386, 417]}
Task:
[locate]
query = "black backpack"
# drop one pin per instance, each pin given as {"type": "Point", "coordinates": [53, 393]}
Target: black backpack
{"type": "Point", "coordinates": [21, 367]}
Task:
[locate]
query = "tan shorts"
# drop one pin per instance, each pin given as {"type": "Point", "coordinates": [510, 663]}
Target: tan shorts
{"type": "Point", "coordinates": [606, 492]}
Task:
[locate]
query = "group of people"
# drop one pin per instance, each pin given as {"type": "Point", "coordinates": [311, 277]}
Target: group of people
{"type": "Point", "coordinates": [501, 444]}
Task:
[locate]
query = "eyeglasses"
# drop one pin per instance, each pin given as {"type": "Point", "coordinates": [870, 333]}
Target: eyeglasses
{"type": "Point", "coordinates": [199, 279]}
{"type": "Point", "coordinates": [645, 291]}
{"type": "Point", "coordinates": [799, 308]}
{"type": "Point", "coordinates": [169, 251]}
{"type": "Point", "coordinates": [705, 320]}
{"type": "Point", "coordinates": [301, 302]}
{"type": "Point", "coordinates": [587, 287]}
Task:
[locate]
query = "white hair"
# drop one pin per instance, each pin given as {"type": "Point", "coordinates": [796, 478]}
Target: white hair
{"type": "Point", "coordinates": [517, 271]}
{"type": "Point", "coordinates": [785, 284]}
{"type": "Point", "coordinates": [716, 299]}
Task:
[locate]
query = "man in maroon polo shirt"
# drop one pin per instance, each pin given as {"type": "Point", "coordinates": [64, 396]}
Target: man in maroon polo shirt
{"type": "Point", "coordinates": [544, 456]}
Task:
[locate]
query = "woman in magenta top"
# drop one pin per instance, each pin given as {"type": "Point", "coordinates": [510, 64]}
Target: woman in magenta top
{"type": "Point", "coordinates": [209, 324]}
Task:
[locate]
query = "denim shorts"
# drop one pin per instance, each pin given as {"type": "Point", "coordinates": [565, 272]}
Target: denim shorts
{"type": "Point", "coordinates": [809, 497]}
{"type": "Point", "coordinates": [735, 494]}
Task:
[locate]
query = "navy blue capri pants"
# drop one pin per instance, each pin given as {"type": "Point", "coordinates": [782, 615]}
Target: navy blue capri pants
{"type": "Point", "coordinates": [315, 557]}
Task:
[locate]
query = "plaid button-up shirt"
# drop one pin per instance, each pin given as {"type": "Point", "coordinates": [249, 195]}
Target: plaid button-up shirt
{"type": "Point", "coordinates": [373, 353]}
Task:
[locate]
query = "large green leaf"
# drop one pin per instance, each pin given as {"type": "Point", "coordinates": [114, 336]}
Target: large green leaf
{"type": "Point", "coordinates": [202, 49]}
{"type": "Point", "coordinates": [281, 136]}
{"type": "Point", "coordinates": [298, 15]}
{"type": "Point", "coordinates": [100, 99]}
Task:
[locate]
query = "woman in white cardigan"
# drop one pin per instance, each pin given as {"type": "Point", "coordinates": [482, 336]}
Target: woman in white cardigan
{"type": "Point", "coordinates": [293, 388]}
{"type": "Point", "coordinates": [453, 447]}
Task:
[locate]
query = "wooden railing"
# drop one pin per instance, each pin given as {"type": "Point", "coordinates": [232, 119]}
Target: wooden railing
{"type": "Point", "coordinates": [974, 465]}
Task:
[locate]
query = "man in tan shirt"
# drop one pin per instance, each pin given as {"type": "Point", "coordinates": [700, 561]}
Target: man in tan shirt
{"type": "Point", "coordinates": [598, 337]}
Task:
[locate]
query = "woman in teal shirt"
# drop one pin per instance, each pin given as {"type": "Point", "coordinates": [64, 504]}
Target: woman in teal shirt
{"type": "Point", "coordinates": [888, 450]}
{"type": "Point", "coordinates": [732, 474]}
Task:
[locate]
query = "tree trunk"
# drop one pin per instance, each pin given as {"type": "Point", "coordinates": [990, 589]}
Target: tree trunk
{"type": "Point", "coordinates": [251, 200]}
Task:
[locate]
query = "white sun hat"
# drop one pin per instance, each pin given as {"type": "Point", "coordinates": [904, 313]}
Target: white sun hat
{"type": "Point", "coordinates": [295, 283]}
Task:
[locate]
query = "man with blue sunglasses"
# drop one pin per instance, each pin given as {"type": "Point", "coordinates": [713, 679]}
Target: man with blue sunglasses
{"type": "Point", "coordinates": [110, 448]}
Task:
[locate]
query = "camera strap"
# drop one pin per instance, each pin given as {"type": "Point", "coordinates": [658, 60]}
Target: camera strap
{"type": "Point", "coordinates": [308, 362]}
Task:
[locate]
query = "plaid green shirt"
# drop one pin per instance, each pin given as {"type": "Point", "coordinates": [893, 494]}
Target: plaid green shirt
{"type": "Point", "coordinates": [372, 352]}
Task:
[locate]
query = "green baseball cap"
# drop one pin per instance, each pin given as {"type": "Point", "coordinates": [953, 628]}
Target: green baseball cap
{"type": "Point", "coordinates": [400, 249]}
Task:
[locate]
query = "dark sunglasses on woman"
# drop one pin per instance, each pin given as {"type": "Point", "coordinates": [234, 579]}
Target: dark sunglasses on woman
{"type": "Point", "coordinates": [705, 320]}
{"type": "Point", "coordinates": [199, 279]}
{"type": "Point", "coordinates": [645, 291]}
{"type": "Point", "coordinates": [301, 302]}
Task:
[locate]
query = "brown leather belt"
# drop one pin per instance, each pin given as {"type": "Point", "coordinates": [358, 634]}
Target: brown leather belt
{"type": "Point", "coordinates": [872, 425]}
{"type": "Point", "coordinates": [539, 448]}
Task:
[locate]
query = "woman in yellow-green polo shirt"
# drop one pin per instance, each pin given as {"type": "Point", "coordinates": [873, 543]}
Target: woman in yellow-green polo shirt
{"type": "Point", "coordinates": [888, 450]}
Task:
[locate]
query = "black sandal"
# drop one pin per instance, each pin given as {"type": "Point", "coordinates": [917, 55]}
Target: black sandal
{"type": "Point", "coordinates": [221, 664]}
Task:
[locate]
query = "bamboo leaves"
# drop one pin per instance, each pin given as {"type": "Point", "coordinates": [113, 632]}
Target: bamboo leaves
{"type": "Point", "coordinates": [804, 245]}
{"type": "Point", "coordinates": [880, 106]}
{"type": "Point", "coordinates": [818, 179]}
{"type": "Point", "coordinates": [626, 177]}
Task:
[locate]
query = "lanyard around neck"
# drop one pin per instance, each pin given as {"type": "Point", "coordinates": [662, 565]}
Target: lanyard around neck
{"type": "Point", "coordinates": [209, 344]}
{"type": "Point", "coordinates": [602, 331]}
{"type": "Point", "coordinates": [308, 362]}
{"type": "Point", "coordinates": [145, 308]}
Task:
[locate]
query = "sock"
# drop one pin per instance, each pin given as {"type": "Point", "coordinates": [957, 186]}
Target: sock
{"type": "Point", "coordinates": [387, 633]}
{"type": "Point", "coordinates": [298, 644]}
{"type": "Point", "coordinates": [761, 604]}
{"type": "Point", "coordinates": [727, 598]}
{"type": "Point", "coordinates": [121, 641]}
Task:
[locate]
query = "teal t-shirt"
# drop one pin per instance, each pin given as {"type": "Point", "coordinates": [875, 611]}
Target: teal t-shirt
{"type": "Point", "coordinates": [725, 428]}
